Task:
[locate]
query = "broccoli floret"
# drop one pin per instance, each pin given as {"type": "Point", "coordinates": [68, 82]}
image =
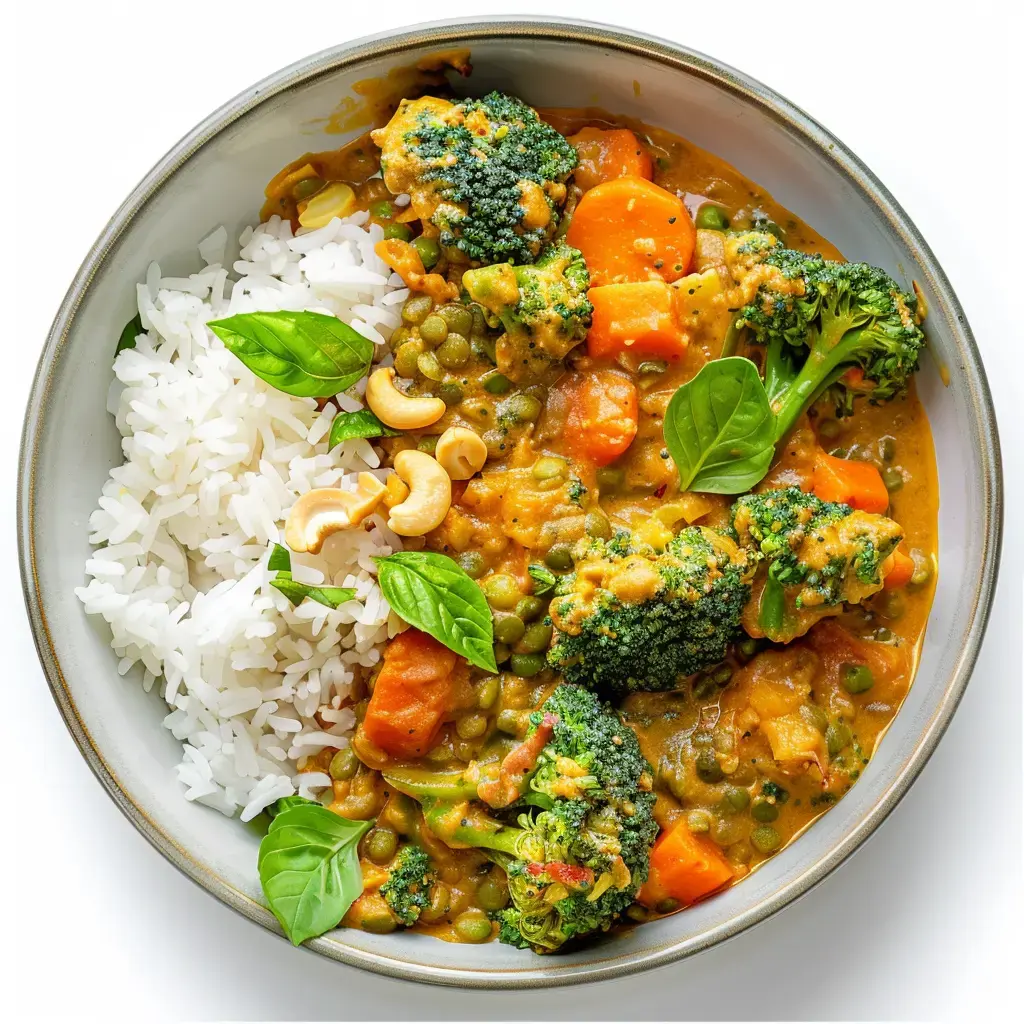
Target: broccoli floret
{"type": "Point", "coordinates": [816, 555]}
{"type": "Point", "coordinates": [543, 308]}
{"type": "Point", "coordinates": [633, 618]}
{"type": "Point", "coordinates": [407, 889]}
{"type": "Point", "coordinates": [567, 815]}
{"type": "Point", "coordinates": [488, 174]}
{"type": "Point", "coordinates": [846, 328]}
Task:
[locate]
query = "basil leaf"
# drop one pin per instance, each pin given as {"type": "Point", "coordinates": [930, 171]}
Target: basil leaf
{"type": "Point", "coordinates": [309, 355]}
{"type": "Point", "coordinates": [720, 428]}
{"type": "Point", "coordinates": [278, 807]}
{"type": "Point", "coordinates": [544, 579]}
{"type": "Point", "coordinates": [309, 869]}
{"type": "Point", "coordinates": [363, 423]}
{"type": "Point", "coordinates": [280, 559]}
{"type": "Point", "coordinates": [432, 593]}
{"type": "Point", "coordinates": [297, 592]}
{"type": "Point", "coordinates": [129, 333]}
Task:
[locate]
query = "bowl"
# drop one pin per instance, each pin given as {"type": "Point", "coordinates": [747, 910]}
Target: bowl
{"type": "Point", "coordinates": [215, 175]}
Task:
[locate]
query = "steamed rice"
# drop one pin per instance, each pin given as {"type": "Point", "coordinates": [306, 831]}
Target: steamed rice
{"type": "Point", "coordinates": [214, 459]}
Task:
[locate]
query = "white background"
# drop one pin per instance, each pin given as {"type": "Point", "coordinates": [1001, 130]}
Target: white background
{"type": "Point", "coordinates": [918, 925]}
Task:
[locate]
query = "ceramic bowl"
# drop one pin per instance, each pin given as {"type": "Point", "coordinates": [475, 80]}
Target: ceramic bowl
{"type": "Point", "coordinates": [215, 175]}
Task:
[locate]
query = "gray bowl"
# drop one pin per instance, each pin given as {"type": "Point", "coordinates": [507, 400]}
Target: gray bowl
{"type": "Point", "coordinates": [215, 175]}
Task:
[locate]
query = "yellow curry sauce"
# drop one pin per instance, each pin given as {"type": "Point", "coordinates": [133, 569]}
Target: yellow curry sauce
{"type": "Point", "coordinates": [538, 494]}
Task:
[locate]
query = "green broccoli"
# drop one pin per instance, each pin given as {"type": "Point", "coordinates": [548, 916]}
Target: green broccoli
{"type": "Point", "coordinates": [407, 890]}
{"type": "Point", "coordinates": [567, 815]}
{"type": "Point", "coordinates": [488, 174]}
{"type": "Point", "coordinates": [634, 618]}
{"type": "Point", "coordinates": [817, 555]}
{"type": "Point", "coordinates": [543, 308]}
{"type": "Point", "coordinates": [819, 319]}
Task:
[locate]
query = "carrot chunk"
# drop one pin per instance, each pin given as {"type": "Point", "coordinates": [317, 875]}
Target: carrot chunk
{"type": "Point", "coordinates": [639, 317]}
{"type": "Point", "coordinates": [857, 484]}
{"type": "Point", "coordinates": [898, 570]}
{"type": "Point", "coordinates": [684, 867]}
{"type": "Point", "coordinates": [606, 153]}
{"type": "Point", "coordinates": [630, 229]}
{"type": "Point", "coordinates": [602, 418]}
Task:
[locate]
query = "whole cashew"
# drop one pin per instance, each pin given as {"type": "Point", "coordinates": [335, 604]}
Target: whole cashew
{"type": "Point", "coordinates": [430, 494]}
{"type": "Point", "coordinates": [461, 452]}
{"type": "Point", "coordinates": [397, 410]}
{"type": "Point", "coordinates": [326, 510]}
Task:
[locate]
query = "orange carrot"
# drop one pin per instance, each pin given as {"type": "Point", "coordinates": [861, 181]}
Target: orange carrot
{"type": "Point", "coordinates": [412, 694]}
{"type": "Point", "coordinates": [684, 867]}
{"type": "Point", "coordinates": [606, 153]}
{"type": "Point", "coordinates": [857, 484]}
{"type": "Point", "coordinates": [629, 229]}
{"type": "Point", "coordinates": [898, 569]}
{"type": "Point", "coordinates": [638, 317]}
{"type": "Point", "coordinates": [602, 418]}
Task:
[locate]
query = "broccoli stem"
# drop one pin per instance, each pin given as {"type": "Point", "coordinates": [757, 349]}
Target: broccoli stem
{"type": "Point", "coordinates": [731, 341]}
{"type": "Point", "coordinates": [455, 822]}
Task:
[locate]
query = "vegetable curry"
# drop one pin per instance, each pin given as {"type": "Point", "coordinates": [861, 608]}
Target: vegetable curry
{"type": "Point", "coordinates": [561, 349]}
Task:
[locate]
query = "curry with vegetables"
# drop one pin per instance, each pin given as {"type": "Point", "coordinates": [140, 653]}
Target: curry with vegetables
{"type": "Point", "coordinates": [669, 507]}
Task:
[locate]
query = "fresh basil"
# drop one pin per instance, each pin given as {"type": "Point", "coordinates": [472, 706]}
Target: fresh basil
{"type": "Point", "coordinates": [720, 428]}
{"type": "Point", "coordinates": [309, 868]}
{"type": "Point", "coordinates": [544, 579]}
{"type": "Point", "coordinates": [309, 355]}
{"type": "Point", "coordinates": [286, 803]}
{"type": "Point", "coordinates": [129, 333]}
{"type": "Point", "coordinates": [362, 423]}
{"type": "Point", "coordinates": [281, 561]}
{"type": "Point", "coordinates": [432, 593]}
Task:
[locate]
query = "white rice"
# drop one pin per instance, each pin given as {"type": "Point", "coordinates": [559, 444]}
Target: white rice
{"type": "Point", "coordinates": [214, 459]}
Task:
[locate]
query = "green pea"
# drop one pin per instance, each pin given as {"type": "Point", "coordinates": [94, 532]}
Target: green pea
{"type": "Point", "coordinates": [527, 664]}
{"type": "Point", "coordinates": [427, 444]}
{"type": "Point", "coordinates": [306, 188]}
{"type": "Point", "coordinates": [492, 893]}
{"type": "Point", "coordinates": [382, 209]}
{"type": "Point", "coordinates": [722, 675]}
{"type": "Point", "coordinates": [502, 652]}
{"type": "Point", "coordinates": [428, 249]}
{"type": "Point", "coordinates": [399, 337]}
{"type": "Point", "coordinates": [450, 393]}
{"type": "Point", "coordinates": [597, 525]}
{"type": "Point", "coordinates": [747, 648]}
{"type": "Point", "coordinates": [815, 716]}
{"type": "Point", "coordinates": [922, 568]}
{"type": "Point", "coordinates": [344, 764]}
{"type": "Point", "coordinates": [610, 479]}
{"type": "Point", "coordinates": [890, 605]}
{"type": "Point", "coordinates": [763, 810]}
{"type": "Point", "coordinates": [472, 564]}
{"type": "Point", "coordinates": [638, 914]}
{"type": "Point", "coordinates": [496, 441]}
{"type": "Point", "coordinates": [651, 367]}
{"type": "Point", "coordinates": [400, 231]}
{"type": "Point", "coordinates": [702, 686]}
{"type": "Point", "coordinates": [440, 903]}
{"type": "Point", "coordinates": [667, 906]}
{"type": "Point", "coordinates": [522, 408]}
{"type": "Point", "coordinates": [379, 922]}
{"type": "Point", "coordinates": [427, 363]}
{"type": "Point", "coordinates": [487, 692]}
{"type": "Point", "coordinates": [839, 453]}
{"type": "Point", "coordinates": [765, 839]}
{"type": "Point", "coordinates": [473, 926]}
{"type": "Point", "coordinates": [510, 721]}
{"type": "Point", "coordinates": [433, 330]}
{"type": "Point", "coordinates": [530, 608]}
{"type": "Point", "coordinates": [857, 678]}
{"type": "Point", "coordinates": [471, 727]}
{"type": "Point", "coordinates": [509, 629]}
{"type": "Point", "coordinates": [380, 845]}
{"type": "Point", "coordinates": [737, 798]}
{"type": "Point", "coordinates": [883, 635]}
{"type": "Point", "coordinates": [479, 320]}
{"type": "Point", "coordinates": [708, 768]}
{"type": "Point", "coordinates": [892, 478]}
{"type": "Point", "coordinates": [698, 821]}
{"type": "Point", "coordinates": [887, 448]}
{"type": "Point", "coordinates": [559, 558]}
{"type": "Point", "coordinates": [829, 429]}
{"type": "Point", "coordinates": [537, 638]}
{"type": "Point", "coordinates": [407, 358]}
{"type": "Point", "coordinates": [496, 383]}
{"type": "Point", "coordinates": [454, 352]}
{"type": "Point", "coordinates": [548, 467]}
{"type": "Point", "coordinates": [838, 737]}
{"type": "Point", "coordinates": [417, 308]}
{"type": "Point", "coordinates": [502, 591]}
{"type": "Point", "coordinates": [711, 218]}
{"type": "Point", "coordinates": [458, 318]}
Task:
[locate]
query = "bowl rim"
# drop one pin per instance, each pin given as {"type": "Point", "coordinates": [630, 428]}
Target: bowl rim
{"type": "Point", "coordinates": [468, 31]}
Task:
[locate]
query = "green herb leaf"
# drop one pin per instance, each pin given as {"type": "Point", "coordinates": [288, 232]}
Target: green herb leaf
{"type": "Point", "coordinates": [298, 592]}
{"type": "Point", "coordinates": [544, 579]}
{"type": "Point", "coordinates": [363, 423]}
{"type": "Point", "coordinates": [285, 803]}
{"type": "Point", "coordinates": [719, 428]}
{"type": "Point", "coordinates": [309, 869]}
{"type": "Point", "coordinates": [131, 331]}
{"type": "Point", "coordinates": [309, 355]}
{"type": "Point", "coordinates": [280, 559]}
{"type": "Point", "coordinates": [432, 593]}
{"type": "Point", "coordinates": [771, 613]}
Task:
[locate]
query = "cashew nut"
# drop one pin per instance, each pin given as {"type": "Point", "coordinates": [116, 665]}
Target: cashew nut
{"type": "Point", "coordinates": [397, 410]}
{"type": "Point", "coordinates": [461, 452]}
{"type": "Point", "coordinates": [430, 494]}
{"type": "Point", "coordinates": [326, 510]}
